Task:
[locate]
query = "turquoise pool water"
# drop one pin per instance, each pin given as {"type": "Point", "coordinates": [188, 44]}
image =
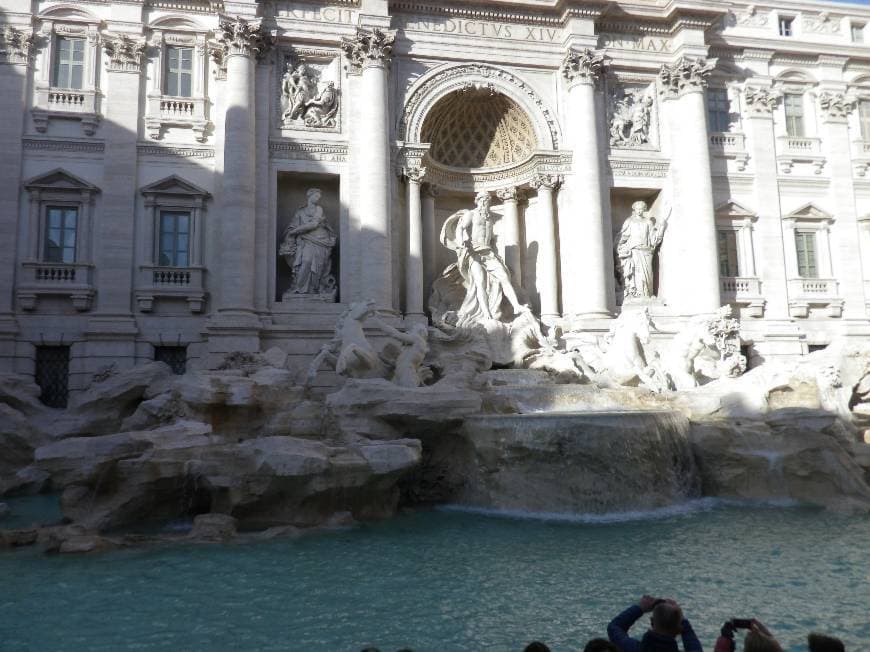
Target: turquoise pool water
{"type": "Point", "coordinates": [449, 581]}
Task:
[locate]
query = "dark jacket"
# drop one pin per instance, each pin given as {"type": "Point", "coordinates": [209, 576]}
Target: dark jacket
{"type": "Point", "coordinates": [617, 632]}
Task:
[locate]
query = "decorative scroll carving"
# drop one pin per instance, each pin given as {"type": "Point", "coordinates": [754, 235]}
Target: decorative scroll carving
{"type": "Point", "coordinates": [686, 75]}
{"type": "Point", "coordinates": [124, 51]}
{"type": "Point", "coordinates": [16, 45]}
{"type": "Point", "coordinates": [509, 194]}
{"type": "Point", "coordinates": [760, 100]}
{"type": "Point", "coordinates": [584, 66]}
{"type": "Point", "coordinates": [835, 106]}
{"type": "Point", "coordinates": [305, 100]}
{"type": "Point", "coordinates": [368, 48]}
{"type": "Point", "coordinates": [239, 36]}
{"type": "Point", "coordinates": [630, 117]}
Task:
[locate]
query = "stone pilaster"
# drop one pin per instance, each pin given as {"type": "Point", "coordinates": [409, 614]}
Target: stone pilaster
{"type": "Point", "coordinates": [834, 110]}
{"type": "Point", "coordinates": [235, 326]}
{"type": "Point", "coordinates": [760, 103]}
{"type": "Point", "coordinates": [691, 250]}
{"type": "Point", "coordinates": [548, 266]}
{"type": "Point", "coordinates": [368, 54]}
{"type": "Point", "coordinates": [16, 48]}
{"type": "Point", "coordinates": [510, 232]}
{"type": "Point", "coordinates": [414, 299]}
{"type": "Point", "coordinates": [586, 240]}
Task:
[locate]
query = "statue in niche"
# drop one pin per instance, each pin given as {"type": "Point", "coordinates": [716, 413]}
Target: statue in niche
{"type": "Point", "coordinates": [639, 238]}
{"type": "Point", "coordinates": [304, 101]}
{"type": "Point", "coordinates": [484, 275]}
{"type": "Point", "coordinates": [631, 119]}
{"type": "Point", "coordinates": [306, 246]}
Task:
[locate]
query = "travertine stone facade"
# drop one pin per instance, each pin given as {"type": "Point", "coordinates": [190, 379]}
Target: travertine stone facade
{"type": "Point", "coordinates": [155, 152]}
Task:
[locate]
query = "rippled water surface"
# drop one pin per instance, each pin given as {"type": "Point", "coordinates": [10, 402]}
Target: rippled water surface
{"type": "Point", "coordinates": [449, 581]}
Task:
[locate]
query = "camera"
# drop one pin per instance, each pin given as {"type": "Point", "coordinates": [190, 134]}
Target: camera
{"type": "Point", "coordinates": [741, 623]}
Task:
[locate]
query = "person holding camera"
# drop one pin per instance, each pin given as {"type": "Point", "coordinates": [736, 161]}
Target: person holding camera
{"type": "Point", "coordinates": [666, 624]}
{"type": "Point", "coordinates": [758, 638]}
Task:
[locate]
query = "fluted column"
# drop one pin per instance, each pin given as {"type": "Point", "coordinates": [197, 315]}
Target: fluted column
{"type": "Point", "coordinates": [370, 52]}
{"type": "Point", "coordinates": [242, 42]}
{"type": "Point", "coordinates": [691, 249]}
{"type": "Point", "coordinates": [430, 240]}
{"type": "Point", "coordinates": [414, 299]}
{"type": "Point", "coordinates": [548, 268]}
{"type": "Point", "coordinates": [586, 240]}
{"type": "Point", "coordinates": [510, 232]}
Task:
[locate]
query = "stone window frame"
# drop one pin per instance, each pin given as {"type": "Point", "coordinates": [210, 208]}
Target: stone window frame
{"type": "Point", "coordinates": [155, 281]}
{"type": "Point", "coordinates": [162, 110]}
{"type": "Point", "coordinates": [51, 102]}
{"type": "Point", "coordinates": [40, 277]}
{"type": "Point", "coordinates": [859, 90]}
{"type": "Point", "coordinates": [729, 144]}
{"type": "Point", "coordinates": [745, 289]}
{"type": "Point", "coordinates": [808, 147]}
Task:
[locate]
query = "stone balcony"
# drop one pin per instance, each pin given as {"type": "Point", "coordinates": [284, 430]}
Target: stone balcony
{"type": "Point", "coordinates": [805, 293]}
{"type": "Point", "coordinates": [168, 111]}
{"type": "Point", "coordinates": [65, 103]}
{"type": "Point", "coordinates": [861, 157]}
{"type": "Point", "coordinates": [39, 279]}
{"type": "Point", "coordinates": [730, 145]}
{"type": "Point", "coordinates": [744, 291]}
{"type": "Point", "coordinates": [184, 283]}
{"type": "Point", "coordinates": [799, 149]}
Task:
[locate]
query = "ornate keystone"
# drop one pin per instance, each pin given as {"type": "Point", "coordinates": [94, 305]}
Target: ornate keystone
{"type": "Point", "coordinates": [835, 106]}
{"type": "Point", "coordinates": [546, 180]}
{"type": "Point", "coordinates": [584, 66]}
{"type": "Point", "coordinates": [242, 37]}
{"type": "Point", "coordinates": [761, 101]}
{"type": "Point", "coordinates": [369, 48]}
{"type": "Point", "coordinates": [15, 45]}
{"type": "Point", "coordinates": [684, 76]}
{"type": "Point", "coordinates": [125, 52]}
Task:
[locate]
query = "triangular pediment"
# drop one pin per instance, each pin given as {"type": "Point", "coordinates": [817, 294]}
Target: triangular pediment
{"type": "Point", "coordinates": [60, 180]}
{"type": "Point", "coordinates": [174, 185]}
{"type": "Point", "coordinates": [733, 209]}
{"type": "Point", "coordinates": [809, 212]}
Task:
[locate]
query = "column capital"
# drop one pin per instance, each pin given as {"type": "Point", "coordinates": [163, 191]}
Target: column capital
{"type": "Point", "coordinates": [415, 174]}
{"type": "Point", "coordinates": [761, 101]}
{"type": "Point", "coordinates": [583, 66]}
{"type": "Point", "coordinates": [686, 75]}
{"type": "Point", "coordinates": [512, 194]}
{"type": "Point", "coordinates": [16, 45]}
{"type": "Point", "coordinates": [368, 49]}
{"type": "Point", "coordinates": [835, 107]}
{"type": "Point", "coordinates": [125, 52]}
{"type": "Point", "coordinates": [238, 36]}
{"type": "Point", "coordinates": [430, 190]}
{"type": "Point", "coordinates": [546, 180]}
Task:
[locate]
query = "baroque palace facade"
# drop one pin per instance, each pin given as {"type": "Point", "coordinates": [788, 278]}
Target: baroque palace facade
{"type": "Point", "coordinates": [184, 178]}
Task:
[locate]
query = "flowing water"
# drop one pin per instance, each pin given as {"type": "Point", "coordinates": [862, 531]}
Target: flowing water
{"type": "Point", "coordinates": [450, 580]}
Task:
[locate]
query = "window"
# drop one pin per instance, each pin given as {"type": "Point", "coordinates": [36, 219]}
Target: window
{"type": "Point", "coordinates": [728, 263]}
{"type": "Point", "coordinates": [179, 71]}
{"type": "Point", "coordinates": [174, 356]}
{"type": "Point", "coordinates": [60, 234]}
{"type": "Point", "coordinates": [69, 62]}
{"type": "Point", "coordinates": [718, 109]}
{"type": "Point", "coordinates": [785, 25]}
{"type": "Point", "coordinates": [857, 33]}
{"type": "Point", "coordinates": [52, 375]}
{"type": "Point", "coordinates": [805, 242]}
{"type": "Point", "coordinates": [174, 239]}
{"type": "Point", "coordinates": [864, 118]}
{"type": "Point", "coordinates": [794, 114]}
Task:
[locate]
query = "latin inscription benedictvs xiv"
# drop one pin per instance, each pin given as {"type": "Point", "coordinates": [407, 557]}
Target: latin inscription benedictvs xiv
{"type": "Point", "coordinates": [480, 28]}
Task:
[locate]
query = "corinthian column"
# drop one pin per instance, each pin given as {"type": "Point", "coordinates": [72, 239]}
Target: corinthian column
{"type": "Point", "coordinates": [430, 240]}
{"type": "Point", "coordinates": [548, 268]}
{"type": "Point", "coordinates": [690, 251]}
{"type": "Point", "coordinates": [414, 261]}
{"type": "Point", "coordinates": [510, 232]}
{"type": "Point", "coordinates": [586, 241]}
{"type": "Point", "coordinates": [369, 53]}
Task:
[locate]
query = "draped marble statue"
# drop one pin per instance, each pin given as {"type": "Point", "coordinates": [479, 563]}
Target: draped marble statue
{"type": "Point", "coordinates": [484, 275]}
{"type": "Point", "coordinates": [306, 246]}
{"type": "Point", "coordinates": [639, 238]}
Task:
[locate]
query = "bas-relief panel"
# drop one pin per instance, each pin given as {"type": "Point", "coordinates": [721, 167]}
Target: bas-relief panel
{"type": "Point", "coordinates": [308, 95]}
{"type": "Point", "coordinates": [632, 114]}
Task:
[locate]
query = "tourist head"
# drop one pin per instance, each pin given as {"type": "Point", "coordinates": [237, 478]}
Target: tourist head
{"type": "Point", "coordinates": [600, 645]}
{"type": "Point", "coordinates": [313, 195]}
{"type": "Point", "coordinates": [822, 643]}
{"type": "Point", "coordinates": [667, 618]}
{"type": "Point", "coordinates": [536, 646]}
{"type": "Point", "coordinates": [638, 208]}
{"type": "Point", "coordinates": [757, 641]}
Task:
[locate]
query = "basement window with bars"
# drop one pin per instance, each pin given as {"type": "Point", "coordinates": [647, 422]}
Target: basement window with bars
{"type": "Point", "coordinates": [174, 356]}
{"type": "Point", "coordinates": [52, 375]}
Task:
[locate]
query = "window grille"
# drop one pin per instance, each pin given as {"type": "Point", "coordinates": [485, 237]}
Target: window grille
{"type": "Point", "coordinates": [60, 234]}
{"type": "Point", "coordinates": [52, 375]}
{"type": "Point", "coordinates": [69, 62]}
{"type": "Point", "coordinates": [794, 114]}
{"type": "Point", "coordinates": [805, 242]}
{"type": "Point", "coordinates": [718, 109]}
{"type": "Point", "coordinates": [179, 71]}
{"type": "Point", "coordinates": [174, 239]}
{"type": "Point", "coordinates": [174, 356]}
{"type": "Point", "coordinates": [728, 261]}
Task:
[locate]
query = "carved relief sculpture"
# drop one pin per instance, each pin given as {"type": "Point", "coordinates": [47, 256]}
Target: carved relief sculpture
{"type": "Point", "coordinates": [306, 246]}
{"type": "Point", "coordinates": [630, 117]}
{"type": "Point", "coordinates": [639, 238]}
{"type": "Point", "coordinates": [305, 101]}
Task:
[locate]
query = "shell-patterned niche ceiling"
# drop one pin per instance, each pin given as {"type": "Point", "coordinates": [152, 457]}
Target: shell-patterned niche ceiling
{"type": "Point", "coordinates": [477, 128]}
